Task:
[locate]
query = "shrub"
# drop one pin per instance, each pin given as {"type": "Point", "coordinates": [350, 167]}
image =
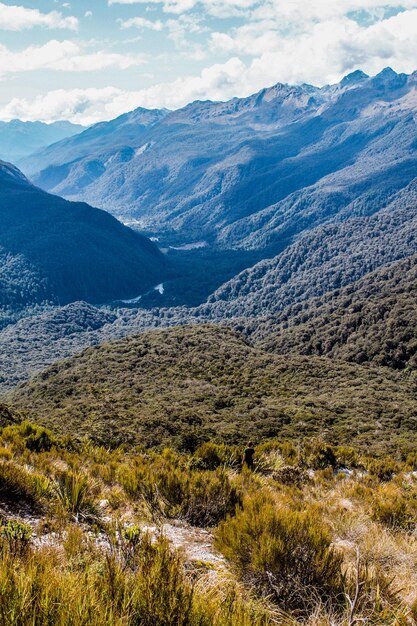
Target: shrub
{"type": "Point", "coordinates": [201, 498]}
{"type": "Point", "coordinates": [319, 455]}
{"type": "Point", "coordinates": [285, 449]}
{"type": "Point", "coordinates": [347, 457]}
{"type": "Point", "coordinates": [211, 455]}
{"type": "Point", "coordinates": [291, 475]}
{"type": "Point", "coordinates": [75, 493]}
{"type": "Point", "coordinates": [395, 509]}
{"type": "Point", "coordinates": [208, 498]}
{"type": "Point", "coordinates": [383, 469]}
{"type": "Point", "coordinates": [286, 554]}
{"type": "Point", "coordinates": [411, 460]}
{"type": "Point", "coordinates": [15, 537]}
{"type": "Point", "coordinates": [30, 436]}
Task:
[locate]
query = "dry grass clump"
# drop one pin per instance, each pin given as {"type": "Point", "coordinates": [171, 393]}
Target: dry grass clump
{"type": "Point", "coordinates": [105, 587]}
{"type": "Point", "coordinates": [284, 553]}
{"type": "Point", "coordinates": [75, 492]}
{"type": "Point", "coordinates": [202, 498]}
{"type": "Point", "coordinates": [395, 508]}
{"type": "Point", "coordinates": [312, 537]}
{"type": "Point", "coordinates": [21, 488]}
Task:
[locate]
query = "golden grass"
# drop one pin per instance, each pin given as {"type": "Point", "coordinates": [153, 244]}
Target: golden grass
{"type": "Point", "coordinates": [89, 561]}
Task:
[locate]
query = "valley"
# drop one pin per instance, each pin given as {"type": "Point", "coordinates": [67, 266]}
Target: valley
{"type": "Point", "coordinates": [177, 286]}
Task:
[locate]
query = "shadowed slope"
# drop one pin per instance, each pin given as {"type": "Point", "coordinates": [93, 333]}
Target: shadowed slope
{"type": "Point", "coordinates": [60, 251]}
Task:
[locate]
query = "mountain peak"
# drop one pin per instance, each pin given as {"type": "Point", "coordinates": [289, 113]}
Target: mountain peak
{"type": "Point", "coordinates": [11, 174]}
{"type": "Point", "coordinates": [387, 72]}
{"type": "Point", "coordinates": [354, 78]}
{"type": "Point", "coordinates": [388, 78]}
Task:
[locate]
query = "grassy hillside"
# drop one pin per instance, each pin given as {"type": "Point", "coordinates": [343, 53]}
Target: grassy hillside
{"type": "Point", "coordinates": [188, 384]}
{"type": "Point", "coordinates": [315, 535]}
{"type": "Point", "coordinates": [373, 320]}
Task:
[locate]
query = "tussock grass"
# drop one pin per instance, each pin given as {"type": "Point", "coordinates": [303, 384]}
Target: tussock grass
{"type": "Point", "coordinates": [314, 536]}
{"type": "Point", "coordinates": [284, 553]}
{"type": "Point", "coordinates": [20, 487]}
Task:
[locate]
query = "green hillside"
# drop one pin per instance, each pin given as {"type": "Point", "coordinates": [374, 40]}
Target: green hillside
{"type": "Point", "coordinates": [184, 385]}
{"type": "Point", "coordinates": [373, 320]}
{"type": "Point", "coordinates": [56, 251]}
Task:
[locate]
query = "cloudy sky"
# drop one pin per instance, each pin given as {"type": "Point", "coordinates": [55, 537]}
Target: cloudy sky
{"type": "Point", "coordinates": [90, 60]}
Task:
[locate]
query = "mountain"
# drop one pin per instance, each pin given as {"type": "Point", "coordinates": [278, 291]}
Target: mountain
{"type": "Point", "coordinates": [373, 320]}
{"type": "Point", "coordinates": [206, 382]}
{"type": "Point", "coordinates": [268, 299]}
{"type": "Point", "coordinates": [52, 250]}
{"type": "Point", "coordinates": [19, 139]}
{"type": "Point", "coordinates": [248, 173]}
{"type": "Point", "coordinates": [321, 260]}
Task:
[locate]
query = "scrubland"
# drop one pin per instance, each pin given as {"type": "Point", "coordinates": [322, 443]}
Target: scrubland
{"type": "Point", "coordinates": [317, 534]}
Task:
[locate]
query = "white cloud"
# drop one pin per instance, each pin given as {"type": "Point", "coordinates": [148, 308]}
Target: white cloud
{"type": "Point", "coordinates": [79, 105]}
{"type": "Point", "coordinates": [178, 31]}
{"type": "Point", "coordinates": [287, 11]}
{"type": "Point", "coordinates": [324, 51]}
{"type": "Point", "coordinates": [88, 14]}
{"type": "Point", "coordinates": [92, 105]}
{"type": "Point", "coordinates": [302, 12]}
{"type": "Point", "coordinates": [20, 18]}
{"type": "Point", "coordinates": [217, 8]}
{"type": "Point", "coordinates": [63, 56]}
{"type": "Point", "coordinates": [141, 23]}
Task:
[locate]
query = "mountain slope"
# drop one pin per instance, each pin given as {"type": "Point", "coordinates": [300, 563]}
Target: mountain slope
{"type": "Point", "coordinates": [251, 172]}
{"type": "Point", "coordinates": [209, 382]}
{"type": "Point", "coordinates": [55, 250]}
{"type": "Point", "coordinates": [373, 320]}
{"type": "Point", "coordinates": [260, 300]}
{"type": "Point", "coordinates": [20, 139]}
{"type": "Point", "coordinates": [321, 260]}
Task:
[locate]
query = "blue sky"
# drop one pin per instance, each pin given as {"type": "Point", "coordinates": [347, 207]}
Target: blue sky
{"type": "Point", "coordinates": [89, 60]}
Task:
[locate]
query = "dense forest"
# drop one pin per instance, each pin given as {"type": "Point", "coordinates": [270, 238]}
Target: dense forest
{"type": "Point", "coordinates": [372, 320]}
{"type": "Point", "coordinates": [54, 251]}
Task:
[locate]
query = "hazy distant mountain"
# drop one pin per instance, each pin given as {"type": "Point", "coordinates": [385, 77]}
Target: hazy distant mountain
{"type": "Point", "coordinates": [19, 139]}
{"type": "Point", "coordinates": [251, 172]}
{"type": "Point", "coordinates": [59, 251]}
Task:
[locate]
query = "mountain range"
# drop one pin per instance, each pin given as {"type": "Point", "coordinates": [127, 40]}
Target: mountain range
{"type": "Point", "coordinates": [248, 173]}
{"type": "Point", "coordinates": [19, 139]}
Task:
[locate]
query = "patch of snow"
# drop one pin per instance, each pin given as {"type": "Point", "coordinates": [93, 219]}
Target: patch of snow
{"type": "Point", "coordinates": [143, 148]}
